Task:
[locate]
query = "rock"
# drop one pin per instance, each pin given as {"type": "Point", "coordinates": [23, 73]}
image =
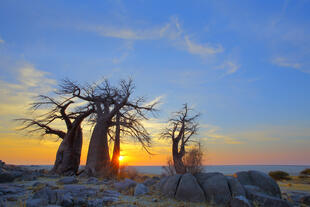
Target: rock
{"type": "Point", "coordinates": [305, 200]}
{"type": "Point", "coordinates": [93, 180]}
{"type": "Point", "coordinates": [95, 203]}
{"type": "Point", "coordinates": [28, 177]}
{"type": "Point", "coordinates": [46, 194]}
{"type": "Point", "coordinates": [11, 189]}
{"type": "Point", "coordinates": [6, 176]}
{"type": "Point", "coordinates": [162, 182]}
{"type": "Point", "coordinates": [215, 187]}
{"type": "Point", "coordinates": [236, 189]}
{"type": "Point", "coordinates": [79, 201]}
{"type": "Point", "coordinates": [68, 180]}
{"type": "Point", "coordinates": [150, 181]}
{"type": "Point", "coordinates": [36, 202]}
{"type": "Point", "coordinates": [189, 189]}
{"type": "Point", "coordinates": [261, 199]}
{"type": "Point", "coordinates": [170, 185]}
{"type": "Point", "coordinates": [261, 180]}
{"type": "Point", "coordinates": [141, 189]}
{"type": "Point", "coordinates": [125, 184]}
{"type": "Point", "coordinates": [240, 201]}
{"type": "Point", "coordinates": [67, 200]}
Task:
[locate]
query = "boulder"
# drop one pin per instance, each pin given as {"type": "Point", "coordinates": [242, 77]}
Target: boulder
{"type": "Point", "coordinates": [189, 189]}
{"type": "Point", "coordinates": [110, 196]}
{"type": "Point", "coordinates": [46, 194]}
{"type": "Point", "coordinates": [6, 176]}
{"type": "Point", "coordinates": [125, 184]}
{"type": "Point", "coordinates": [141, 189]}
{"type": "Point", "coordinates": [261, 199]}
{"type": "Point", "coordinates": [162, 182]}
{"type": "Point", "coordinates": [261, 180]}
{"type": "Point", "coordinates": [67, 200]}
{"type": "Point", "coordinates": [150, 181]}
{"type": "Point", "coordinates": [240, 201]}
{"type": "Point", "coordinates": [170, 185]}
{"type": "Point", "coordinates": [215, 187]}
{"type": "Point", "coordinates": [68, 180]}
{"type": "Point", "coordinates": [236, 189]}
{"type": "Point", "coordinates": [36, 202]}
{"type": "Point", "coordinates": [93, 180]}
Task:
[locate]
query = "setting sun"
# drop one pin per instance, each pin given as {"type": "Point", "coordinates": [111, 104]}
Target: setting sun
{"type": "Point", "coordinates": [120, 158]}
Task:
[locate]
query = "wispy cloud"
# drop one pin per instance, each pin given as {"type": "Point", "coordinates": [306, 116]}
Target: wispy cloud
{"type": "Point", "coordinates": [16, 94]}
{"type": "Point", "coordinates": [171, 31]}
{"type": "Point", "coordinates": [201, 49]}
{"type": "Point", "coordinates": [230, 67]}
{"type": "Point", "coordinates": [212, 134]}
{"type": "Point", "coordinates": [285, 62]}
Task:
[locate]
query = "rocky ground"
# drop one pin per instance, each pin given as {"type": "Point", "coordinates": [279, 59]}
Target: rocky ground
{"type": "Point", "coordinates": [22, 187]}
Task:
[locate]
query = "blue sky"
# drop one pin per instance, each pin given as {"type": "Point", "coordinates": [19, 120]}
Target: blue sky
{"type": "Point", "coordinates": [245, 65]}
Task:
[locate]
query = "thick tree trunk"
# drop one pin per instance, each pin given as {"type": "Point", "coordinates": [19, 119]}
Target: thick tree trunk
{"type": "Point", "coordinates": [69, 153]}
{"type": "Point", "coordinates": [177, 159]}
{"type": "Point", "coordinates": [98, 158]}
{"type": "Point", "coordinates": [116, 150]}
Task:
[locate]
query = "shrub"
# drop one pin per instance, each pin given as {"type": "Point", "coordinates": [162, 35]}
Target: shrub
{"type": "Point", "coordinates": [279, 175]}
{"type": "Point", "coordinates": [128, 172]}
{"type": "Point", "coordinates": [193, 160]}
{"type": "Point", "coordinates": [169, 169]}
{"type": "Point", "coordinates": [305, 172]}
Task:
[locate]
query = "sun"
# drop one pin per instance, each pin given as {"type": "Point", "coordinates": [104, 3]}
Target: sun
{"type": "Point", "coordinates": [120, 158]}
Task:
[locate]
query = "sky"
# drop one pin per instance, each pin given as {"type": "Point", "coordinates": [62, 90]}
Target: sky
{"type": "Point", "coordinates": [244, 65]}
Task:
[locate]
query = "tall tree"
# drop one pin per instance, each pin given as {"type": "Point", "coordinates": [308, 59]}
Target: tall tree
{"type": "Point", "coordinates": [108, 102]}
{"type": "Point", "coordinates": [181, 128]}
{"type": "Point", "coordinates": [69, 152]}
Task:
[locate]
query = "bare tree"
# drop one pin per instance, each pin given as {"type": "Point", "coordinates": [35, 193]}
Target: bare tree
{"type": "Point", "coordinates": [181, 129]}
{"type": "Point", "coordinates": [108, 102]}
{"type": "Point", "coordinates": [69, 152]}
{"type": "Point", "coordinates": [128, 123]}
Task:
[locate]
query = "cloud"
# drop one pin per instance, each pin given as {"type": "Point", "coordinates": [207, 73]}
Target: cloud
{"type": "Point", "coordinates": [229, 66]}
{"type": "Point", "coordinates": [1, 40]}
{"type": "Point", "coordinates": [16, 94]}
{"type": "Point", "coordinates": [285, 62]}
{"type": "Point", "coordinates": [201, 49]}
{"type": "Point", "coordinates": [171, 31]}
{"type": "Point", "coordinates": [211, 134]}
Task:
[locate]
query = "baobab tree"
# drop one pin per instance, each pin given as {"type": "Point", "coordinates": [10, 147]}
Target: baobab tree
{"type": "Point", "coordinates": [108, 102]}
{"type": "Point", "coordinates": [181, 128]}
{"type": "Point", "coordinates": [69, 152]}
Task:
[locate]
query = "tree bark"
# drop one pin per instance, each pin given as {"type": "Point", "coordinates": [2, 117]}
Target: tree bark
{"type": "Point", "coordinates": [69, 153]}
{"type": "Point", "coordinates": [116, 149]}
{"type": "Point", "coordinates": [98, 158]}
{"type": "Point", "coordinates": [177, 159]}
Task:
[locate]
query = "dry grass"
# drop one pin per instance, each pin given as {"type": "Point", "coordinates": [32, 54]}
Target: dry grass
{"type": "Point", "coordinates": [296, 183]}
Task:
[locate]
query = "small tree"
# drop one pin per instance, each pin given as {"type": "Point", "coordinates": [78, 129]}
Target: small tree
{"type": "Point", "coordinates": [181, 129]}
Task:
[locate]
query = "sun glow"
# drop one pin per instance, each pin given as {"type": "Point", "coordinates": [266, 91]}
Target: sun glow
{"type": "Point", "coordinates": [120, 158]}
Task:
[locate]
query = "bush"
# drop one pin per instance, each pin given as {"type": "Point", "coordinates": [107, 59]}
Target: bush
{"type": "Point", "coordinates": [279, 175]}
{"type": "Point", "coordinates": [305, 172]}
{"type": "Point", "coordinates": [193, 160]}
{"type": "Point", "coordinates": [128, 172]}
{"type": "Point", "coordinates": [169, 169]}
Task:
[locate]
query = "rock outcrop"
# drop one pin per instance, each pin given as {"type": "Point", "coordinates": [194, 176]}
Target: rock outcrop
{"type": "Point", "coordinates": [244, 189]}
